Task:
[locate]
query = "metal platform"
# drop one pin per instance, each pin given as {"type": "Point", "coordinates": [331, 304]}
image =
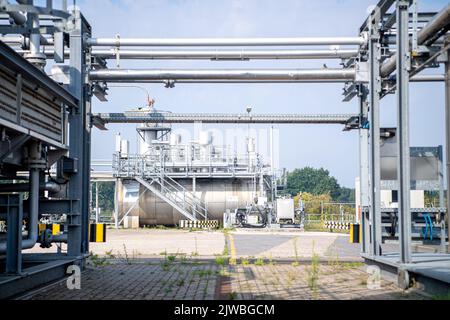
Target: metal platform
{"type": "Point", "coordinates": [431, 271]}
{"type": "Point", "coordinates": [40, 269]}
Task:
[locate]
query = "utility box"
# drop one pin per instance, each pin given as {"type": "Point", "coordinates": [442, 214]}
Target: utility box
{"type": "Point", "coordinates": [131, 222]}
{"type": "Point", "coordinates": [285, 210]}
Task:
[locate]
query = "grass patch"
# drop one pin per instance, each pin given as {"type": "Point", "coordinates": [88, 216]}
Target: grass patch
{"type": "Point", "coordinates": [441, 297]}
{"type": "Point", "coordinates": [221, 260]}
{"type": "Point", "coordinates": [245, 261]}
{"type": "Point", "coordinates": [232, 296]}
{"type": "Point", "coordinates": [259, 262]}
{"type": "Point", "coordinates": [96, 261]}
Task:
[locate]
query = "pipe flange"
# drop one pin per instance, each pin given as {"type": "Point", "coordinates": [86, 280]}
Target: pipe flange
{"type": "Point", "coordinates": [40, 164]}
{"type": "Point", "coordinates": [37, 59]}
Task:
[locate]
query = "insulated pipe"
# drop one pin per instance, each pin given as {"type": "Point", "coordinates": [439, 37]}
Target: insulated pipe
{"type": "Point", "coordinates": [18, 18]}
{"type": "Point", "coordinates": [24, 187]}
{"type": "Point", "coordinates": [227, 55]}
{"type": "Point", "coordinates": [428, 78]}
{"type": "Point", "coordinates": [13, 40]}
{"type": "Point", "coordinates": [224, 42]}
{"type": "Point", "coordinates": [214, 54]}
{"type": "Point", "coordinates": [269, 75]}
{"type": "Point", "coordinates": [440, 21]}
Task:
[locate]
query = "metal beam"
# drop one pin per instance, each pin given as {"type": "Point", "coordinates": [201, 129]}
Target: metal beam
{"type": "Point", "coordinates": [204, 75]}
{"type": "Point", "coordinates": [224, 42]}
{"type": "Point", "coordinates": [155, 117]}
{"type": "Point", "coordinates": [403, 160]}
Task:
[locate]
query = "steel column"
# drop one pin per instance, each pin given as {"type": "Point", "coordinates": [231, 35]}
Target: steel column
{"type": "Point", "coordinates": [375, 172]}
{"type": "Point", "coordinates": [364, 168]}
{"type": "Point", "coordinates": [14, 235]}
{"type": "Point", "coordinates": [97, 215]}
{"type": "Point", "coordinates": [441, 197]}
{"type": "Point", "coordinates": [447, 133]}
{"type": "Point", "coordinates": [79, 143]}
{"type": "Point", "coordinates": [403, 160]}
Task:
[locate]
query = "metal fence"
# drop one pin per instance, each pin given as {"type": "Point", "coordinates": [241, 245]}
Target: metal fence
{"type": "Point", "coordinates": [317, 212]}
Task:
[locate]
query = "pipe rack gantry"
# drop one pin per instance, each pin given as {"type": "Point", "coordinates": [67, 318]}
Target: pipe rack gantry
{"type": "Point", "coordinates": [157, 117]}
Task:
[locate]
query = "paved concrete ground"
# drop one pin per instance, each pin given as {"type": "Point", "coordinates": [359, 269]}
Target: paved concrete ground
{"type": "Point", "coordinates": [153, 242]}
{"type": "Point", "coordinates": [190, 280]}
{"type": "Point", "coordinates": [138, 281]}
{"type": "Point", "coordinates": [288, 282]}
{"type": "Point", "coordinates": [150, 243]}
{"type": "Point", "coordinates": [176, 264]}
{"type": "Point", "coordinates": [293, 244]}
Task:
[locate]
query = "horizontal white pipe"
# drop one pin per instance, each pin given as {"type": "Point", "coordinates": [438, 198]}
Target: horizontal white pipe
{"type": "Point", "coordinates": [214, 54]}
{"type": "Point", "coordinates": [227, 54]}
{"type": "Point", "coordinates": [269, 75]}
{"type": "Point", "coordinates": [428, 78]}
{"type": "Point", "coordinates": [119, 42]}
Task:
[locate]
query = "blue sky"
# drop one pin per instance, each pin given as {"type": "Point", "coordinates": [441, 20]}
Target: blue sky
{"type": "Point", "coordinates": [301, 145]}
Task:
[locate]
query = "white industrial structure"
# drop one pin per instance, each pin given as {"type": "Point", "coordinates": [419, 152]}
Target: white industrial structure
{"type": "Point", "coordinates": [170, 180]}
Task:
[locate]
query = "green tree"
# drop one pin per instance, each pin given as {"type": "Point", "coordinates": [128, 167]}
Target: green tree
{"type": "Point", "coordinates": [314, 181]}
{"type": "Point", "coordinates": [105, 195]}
{"type": "Point", "coordinates": [317, 182]}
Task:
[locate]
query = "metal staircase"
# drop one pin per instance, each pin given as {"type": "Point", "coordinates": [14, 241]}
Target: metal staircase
{"type": "Point", "coordinates": [183, 200]}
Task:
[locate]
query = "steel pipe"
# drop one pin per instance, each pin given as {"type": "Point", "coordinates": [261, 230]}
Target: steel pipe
{"type": "Point", "coordinates": [226, 55]}
{"type": "Point", "coordinates": [219, 55]}
{"type": "Point", "coordinates": [440, 21]}
{"type": "Point", "coordinates": [428, 78]}
{"type": "Point", "coordinates": [224, 42]}
{"type": "Point", "coordinates": [33, 216]}
{"type": "Point", "coordinates": [269, 75]}
{"type": "Point", "coordinates": [18, 18]}
{"type": "Point", "coordinates": [24, 187]}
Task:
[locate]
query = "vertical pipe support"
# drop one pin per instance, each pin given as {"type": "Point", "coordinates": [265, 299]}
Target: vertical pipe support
{"type": "Point", "coordinates": [447, 134]}
{"type": "Point", "coordinates": [403, 160]}
{"type": "Point", "coordinates": [97, 214]}
{"type": "Point", "coordinates": [375, 171]}
{"type": "Point", "coordinates": [78, 220]}
{"type": "Point", "coordinates": [441, 197]}
{"type": "Point", "coordinates": [364, 170]}
{"type": "Point", "coordinates": [14, 235]}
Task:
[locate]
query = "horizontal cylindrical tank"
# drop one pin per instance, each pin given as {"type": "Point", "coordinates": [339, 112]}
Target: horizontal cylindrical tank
{"type": "Point", "coordinates": [217, 194]}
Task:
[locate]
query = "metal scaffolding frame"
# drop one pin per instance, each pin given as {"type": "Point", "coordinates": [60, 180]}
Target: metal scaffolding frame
{"type": "Point", "coordinates": [385, 44]}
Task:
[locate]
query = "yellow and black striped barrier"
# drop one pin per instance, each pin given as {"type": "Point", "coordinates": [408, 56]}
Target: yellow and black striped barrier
{"type": "Point", "coordinates": [97, 232]}
{"type": "Point", "coordinates": [55, 228]}
{"type": "Point", "coordinates": [199, 224]}
{"type": "Point", "coordinates": [355, 233]}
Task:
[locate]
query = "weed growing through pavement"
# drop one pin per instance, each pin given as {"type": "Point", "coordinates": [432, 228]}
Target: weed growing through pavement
{"type": "Point", "coordinates": [313, 274]}
{"type": "Point", "coordinates": [259, 262]}
{"type": "Point", "coordinates": [245, 261]}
